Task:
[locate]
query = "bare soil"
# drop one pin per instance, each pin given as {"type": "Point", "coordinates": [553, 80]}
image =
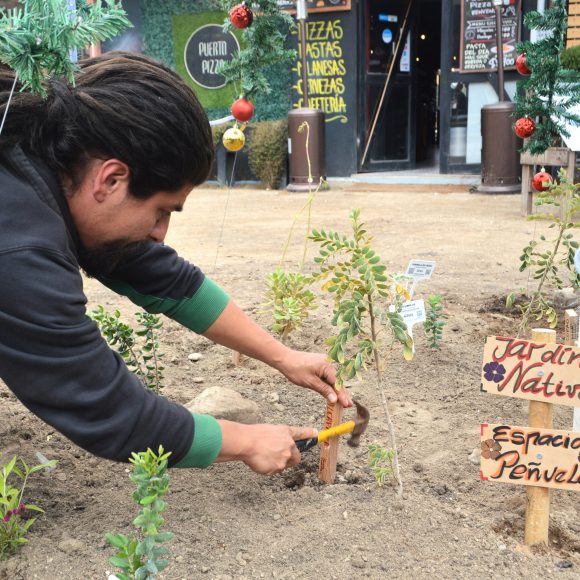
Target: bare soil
{"type": "Point", "coordinates": [231, 523]}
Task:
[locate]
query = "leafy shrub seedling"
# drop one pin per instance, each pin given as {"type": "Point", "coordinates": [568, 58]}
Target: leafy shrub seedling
{"type": "Point", "coordinates": [435, 322]}
{"type": "Point", "coordinates": [288, 297]}
{"type": "Point", "coordinates": [290, 300]}
{"type": "Point", "coordinates": [142, 359]}
{"type": "Point", "coordinates": [550, 259]}
{"type": "Point", "coordinates": [13, 524]}
{"type": "Point", "coordinates": [140, 558]}
{"type": "Point", "coordinates": [365, 311]}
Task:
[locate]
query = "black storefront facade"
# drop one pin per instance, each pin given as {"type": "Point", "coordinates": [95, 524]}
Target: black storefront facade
{"type": "Point", "coordinates": [430, 117]}
{"type": "Point", "coordinates": [445, 74]}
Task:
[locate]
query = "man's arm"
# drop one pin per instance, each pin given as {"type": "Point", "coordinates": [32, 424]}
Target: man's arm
{"type": "Point", "coordinates": [162, 282]}
{"type": "Point", "coordinates": [234, 329]}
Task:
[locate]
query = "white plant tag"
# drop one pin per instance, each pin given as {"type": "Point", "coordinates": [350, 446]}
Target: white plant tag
{"type": "Point", "coordinates": [412, 312]}
{"type": "Point", "coordinates": [420, 269]}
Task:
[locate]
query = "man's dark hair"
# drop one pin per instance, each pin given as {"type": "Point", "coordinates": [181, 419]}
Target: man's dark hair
{"type": "Point", "coordinates": [124, 106]}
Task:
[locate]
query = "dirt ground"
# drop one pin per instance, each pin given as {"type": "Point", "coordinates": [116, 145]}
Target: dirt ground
{"type": "Point", "coordinates": [230, 523]}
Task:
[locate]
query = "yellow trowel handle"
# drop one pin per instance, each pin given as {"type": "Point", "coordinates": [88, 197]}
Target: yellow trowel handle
{"type": "Point", "coordinates": [342, 429]}
{"type": "Point", "coordinates": [325, 435]}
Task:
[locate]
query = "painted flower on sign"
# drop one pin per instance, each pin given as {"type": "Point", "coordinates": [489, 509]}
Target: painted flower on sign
{"type": "Point", "coordinates": [490, 449]}
{"type": "Point", "coordinates": [494, 371]}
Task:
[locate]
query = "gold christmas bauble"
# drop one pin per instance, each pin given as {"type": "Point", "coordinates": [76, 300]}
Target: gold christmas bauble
{"type": "Point", "coordinates": [233, 139]}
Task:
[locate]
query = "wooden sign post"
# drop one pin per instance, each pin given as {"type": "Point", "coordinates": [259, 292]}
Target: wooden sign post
{"type": "Point", "coordinates": [536, 456]}
{"type": "Point", "coordinates": [329, 449]}
{"type": "Point", "coordinates": [538, 509]}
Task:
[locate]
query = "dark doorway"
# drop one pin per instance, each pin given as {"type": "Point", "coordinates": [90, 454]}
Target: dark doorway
{"type": "Point", "coordinates": [406, 132]}
{"type": "Point", "coordinates": [427, 57]}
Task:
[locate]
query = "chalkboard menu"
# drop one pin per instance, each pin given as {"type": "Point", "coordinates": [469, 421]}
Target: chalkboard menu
{"type": "Point", "coordinates": [316, 5]}
{"type": "Point", "coordinates": [478, 35]}
{"type": "Point", "coordinates": [331, 69]}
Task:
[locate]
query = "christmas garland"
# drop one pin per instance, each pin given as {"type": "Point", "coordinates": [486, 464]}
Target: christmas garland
{"type": "Point", "coordinates": [545, 99]}
{"type": "Point", "coordinates": [36, 40]}
{"type": "Point", "coordinates": [265, 29]}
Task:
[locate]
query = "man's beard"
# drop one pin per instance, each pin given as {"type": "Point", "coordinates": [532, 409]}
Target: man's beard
{"type": "Point", "coordinates": [102, 261]}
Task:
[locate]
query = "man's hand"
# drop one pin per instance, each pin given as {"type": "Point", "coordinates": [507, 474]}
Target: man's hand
{"type": "Point", "coordinates": [266, 449]}
{"type": "Point", "coordinates": [313, 371]}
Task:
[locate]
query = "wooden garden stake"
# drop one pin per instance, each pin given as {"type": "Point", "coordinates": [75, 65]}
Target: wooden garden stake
{"type": "Point", "coordinates": [570, 326]}
{"type": "Point", "coordinates": [329, 449]}
{"type": "Point", "coordinates": [538, 509]}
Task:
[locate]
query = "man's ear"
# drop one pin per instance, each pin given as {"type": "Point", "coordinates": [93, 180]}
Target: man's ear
{"type": "Point", "coordinates": [111, 176]}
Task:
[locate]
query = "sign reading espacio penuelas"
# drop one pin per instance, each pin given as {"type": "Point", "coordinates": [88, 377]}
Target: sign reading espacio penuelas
{"type": "Point", "coordinates": [206, 49]}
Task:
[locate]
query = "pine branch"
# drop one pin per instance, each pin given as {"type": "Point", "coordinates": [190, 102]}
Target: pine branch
{"type": "Point", "coordinates": [35, 41]}
{"type": "Point", "coordinates": [263, 45]}
{"type": "Point", "coordinates": [548, 95]}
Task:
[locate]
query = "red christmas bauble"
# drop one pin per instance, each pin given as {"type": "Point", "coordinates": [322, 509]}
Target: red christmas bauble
{"type": "Point", "coordinates": [242, 110]}
{"type": "Point", "coordinates": [521, 66]}
{"type": "Point", "coordinates": [241, 16]}
{"type": "Point", "coordinates": [524, 127]}
{"type": "Point", "coordinates": [542, 181]}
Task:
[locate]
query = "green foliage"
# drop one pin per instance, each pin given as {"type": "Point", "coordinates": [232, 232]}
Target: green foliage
{"type": "Point", "coordinates": [267, 150]}
{"type": "Point", "coordinates": [142, 358]}
{"type": "Point", "coordinates": [13, 526]}
{"type": "Point", "coordinates": [157, 28]}
{"type": "Point", "coordinates": [547, 94]}
{"type": "Point", "coordinates": [289, 300]}
{"type": "Point", "coordinates": [364, 295]}
{"type": "Point", "coordinates": [140, 558]}
{"type": "Point", "coordinates": [435, 321]}
{"type": "Point", "coordinates": [550, 260]}
{"type": "Point", "coordinates": [381, 462]}
{"type": "Point", "coordinates": [263, 46]}
{"type": "Point", "coordinates": [35, 40]}
{"type": "Point", "coordinates": [570, 58]}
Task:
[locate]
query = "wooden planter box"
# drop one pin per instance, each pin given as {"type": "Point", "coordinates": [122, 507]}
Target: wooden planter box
{"type": "Point", "coordinates": [552, 157]}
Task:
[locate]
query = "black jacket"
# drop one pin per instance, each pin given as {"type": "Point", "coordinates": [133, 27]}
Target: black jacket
{"type": "Point", "coordinates": [52, 356]}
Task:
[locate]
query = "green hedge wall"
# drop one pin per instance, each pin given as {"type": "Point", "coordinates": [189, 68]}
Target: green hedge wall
{"type": "Point", "coordinates": [157, 19]}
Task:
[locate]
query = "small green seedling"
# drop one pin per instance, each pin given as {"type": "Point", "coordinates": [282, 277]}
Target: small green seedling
{"type": "Point", "coordinates": [381, 462]}
{"type": "Point", "coordinates": [435, 321]}
{"type": "Point", "coordinates": [141, 558]}
{"type": "Point", "coordinates": [550, 260]}
{"type": "Point", "coordinates": [144, 358]}
{"type": "Point", "coordinates": [366, 311]}
{"type": "Point", "coordinates": [14, 523]}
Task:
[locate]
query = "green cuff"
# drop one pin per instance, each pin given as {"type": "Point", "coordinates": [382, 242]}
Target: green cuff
{"type": "Point", "coordinates": [206, 445]}
{"type": "Point", "coordinates": [197, 312]}
{"type": "Point", "coordinates": [200, 311]}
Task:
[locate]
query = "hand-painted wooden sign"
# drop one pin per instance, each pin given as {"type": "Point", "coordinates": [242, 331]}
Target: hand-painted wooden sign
{"type": "Point", "coordinates": [530, 456]}
{"type": "Point", "coordinates": [529, 370]}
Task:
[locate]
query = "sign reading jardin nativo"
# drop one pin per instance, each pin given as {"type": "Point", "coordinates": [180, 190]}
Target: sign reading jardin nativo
{"type": "Point", "coordinates": [529, 456]}
{"type": "Point", "coordinates": [528, 370]}
{"type": "Point", "coordinates": [478, 35]}
{"type": "Point", "coordinates": [205, 51]}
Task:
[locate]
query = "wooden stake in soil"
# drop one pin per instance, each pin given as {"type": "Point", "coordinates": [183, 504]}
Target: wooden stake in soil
{"type": "Point", "coordinates": [540, 415]}
{"type": "Point", "coordinates": [570, 327]}
{"type": "Point", "coordinates": [329, 449]}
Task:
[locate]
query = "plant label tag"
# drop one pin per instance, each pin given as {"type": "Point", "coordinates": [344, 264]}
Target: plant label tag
{"type": "Point", "coordinates": [412, 312]}
{"type": "Point", "coordinates": [420, 269]}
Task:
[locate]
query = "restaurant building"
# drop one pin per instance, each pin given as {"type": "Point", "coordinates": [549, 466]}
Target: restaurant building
{"type": "Point", "coordinates": [428, 115]}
